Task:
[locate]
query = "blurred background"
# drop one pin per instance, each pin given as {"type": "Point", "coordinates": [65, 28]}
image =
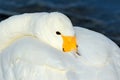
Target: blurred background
{"type": "Point", "coordinates": [99, 15]}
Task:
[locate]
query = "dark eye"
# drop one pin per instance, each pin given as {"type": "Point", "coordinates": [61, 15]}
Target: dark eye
{"type": "Point", "coordinates": [58, 33]}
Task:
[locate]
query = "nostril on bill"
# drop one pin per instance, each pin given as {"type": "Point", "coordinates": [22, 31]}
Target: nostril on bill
{"type": "Point", "coordinates": [63, 49]}
{"type": "Point", "coordinates": [77, 46]}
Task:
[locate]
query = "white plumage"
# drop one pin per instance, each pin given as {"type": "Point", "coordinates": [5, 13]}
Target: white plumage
{"type": "Point", "coordinates": [31, 50]}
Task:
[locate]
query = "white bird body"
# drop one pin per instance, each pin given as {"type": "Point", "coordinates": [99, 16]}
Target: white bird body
{"type": "Point", "coordinates": [31, 58]}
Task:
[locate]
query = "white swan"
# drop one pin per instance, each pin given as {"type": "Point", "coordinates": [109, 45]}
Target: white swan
{"type": "Point", "coordinates": [45, 46]}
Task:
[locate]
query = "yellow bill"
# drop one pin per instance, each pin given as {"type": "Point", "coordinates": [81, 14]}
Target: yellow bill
{"type": "Point", "coordinates": [69, 43]}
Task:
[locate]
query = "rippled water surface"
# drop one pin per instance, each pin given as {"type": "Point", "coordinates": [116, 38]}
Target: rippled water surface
{"type": "Point", "coordinates": [99, 15]}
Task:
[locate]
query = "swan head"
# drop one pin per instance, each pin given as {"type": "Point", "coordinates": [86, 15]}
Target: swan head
{"type": "Point", "coordinates": [56, 30]}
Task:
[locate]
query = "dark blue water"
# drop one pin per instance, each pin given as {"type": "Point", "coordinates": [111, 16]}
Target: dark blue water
{"type": "Point", "coordinates": [99, 15]}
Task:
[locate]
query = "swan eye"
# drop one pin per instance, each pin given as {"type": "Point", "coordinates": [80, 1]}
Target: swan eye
{"type": "Point", "coordinates": [58, 33]}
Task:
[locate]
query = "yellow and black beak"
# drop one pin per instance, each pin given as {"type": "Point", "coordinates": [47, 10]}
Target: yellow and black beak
{"type": "Point", "coordinates": [69, 43]}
